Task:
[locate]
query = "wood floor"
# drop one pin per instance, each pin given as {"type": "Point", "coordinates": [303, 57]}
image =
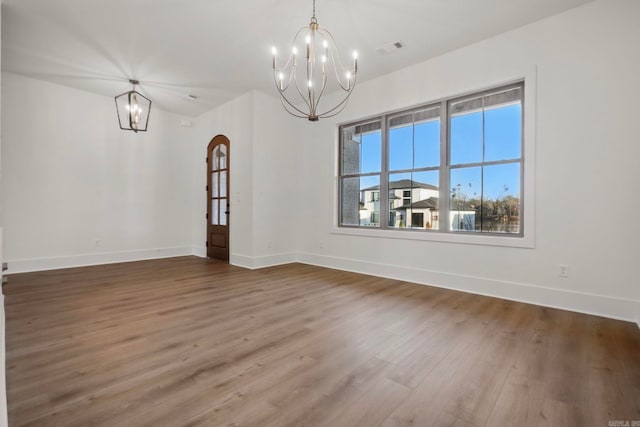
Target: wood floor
{"type": "Point", "coordinates": [193, 342]}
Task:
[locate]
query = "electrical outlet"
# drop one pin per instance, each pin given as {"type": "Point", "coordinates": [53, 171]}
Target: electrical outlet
{"type": "Point", "coordinates": [564, 270]}
{"type": "Point", "coordinates": [321, 244]}
{"type": "Point", "coordinates": [97, 243]}
{"type": "Point", "coordinates": [269, 244]}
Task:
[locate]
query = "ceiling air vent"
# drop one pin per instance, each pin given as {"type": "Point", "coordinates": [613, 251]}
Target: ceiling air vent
{"type": "Point", "coordinates": [391, 47]}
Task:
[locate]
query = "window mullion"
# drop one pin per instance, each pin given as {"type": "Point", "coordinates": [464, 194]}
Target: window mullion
{"type": "Point", "coordinates": [443, 207]}
{"type": "Point", "coordinates": [384, 175]}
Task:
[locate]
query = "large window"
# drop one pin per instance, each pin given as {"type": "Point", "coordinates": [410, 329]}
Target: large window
{"type": "Point", "coordinates": [455, 166]}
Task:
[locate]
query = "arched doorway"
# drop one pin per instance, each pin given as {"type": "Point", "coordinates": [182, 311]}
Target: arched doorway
{"type": "Point", "coordinates": [218, 173]}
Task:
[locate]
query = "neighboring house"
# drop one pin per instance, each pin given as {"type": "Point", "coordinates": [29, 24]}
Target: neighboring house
{"type": "Point", "coordinates": [413, 204]}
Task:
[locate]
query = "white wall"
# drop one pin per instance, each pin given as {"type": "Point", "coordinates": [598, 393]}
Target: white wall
{"type": "Point", "coordinates": [588, 64]}
{"type": "Point", "coordinates": [78, 190]}
{"type": "Point", "coordinates": [3, 388]}
{"type": "Point", "coordinates": [263, 179]}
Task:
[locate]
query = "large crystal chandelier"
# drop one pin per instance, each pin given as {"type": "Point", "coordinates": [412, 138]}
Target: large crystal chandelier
{"type": "Point", "coordinates": [314, 49]}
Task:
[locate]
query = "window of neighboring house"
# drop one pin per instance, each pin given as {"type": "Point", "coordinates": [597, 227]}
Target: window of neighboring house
{"type": "Point", "coordinates": [417, 220]}
{"type": "Point", "coordinates": [455, 166]}
{"type": "Point", "coordinates": [375, 219]}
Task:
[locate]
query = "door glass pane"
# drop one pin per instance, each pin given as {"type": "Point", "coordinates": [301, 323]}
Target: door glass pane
{"type": "Point", "coordinates": [466, 131]}
{"type": "Point", "coordinates": [214, 184]}
{"type": "Point", "coordinates": [223, 213]}
{"type": "Point", "coordinates": [214, 212]}
{"type": "Point", "coordinates": [216, 158]}
{"type": "Point", "coordinates": [223, 183]}
{"type": "Point", "coordinates": [361, 201]}
{"type": "Point", "coordinates": [220, 157]}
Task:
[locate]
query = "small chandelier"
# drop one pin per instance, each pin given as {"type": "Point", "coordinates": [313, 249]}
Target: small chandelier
{"type": "Point", "coordinates": [133, 109]}
{"type": "Point", "coordinates": [319, 59]}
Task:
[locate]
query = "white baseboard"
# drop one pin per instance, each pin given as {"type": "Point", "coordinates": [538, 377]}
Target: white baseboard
{"type": "Point", "coordinates": [600, 305]}
{"type": "Point", "coordinates": [250, 262]}
{"type": "Point", "coordinates": [200, 251]}
{"type": "Point", "coordinates": [55, 263]}
{"type": "Point", "coordinates": [262, 261]}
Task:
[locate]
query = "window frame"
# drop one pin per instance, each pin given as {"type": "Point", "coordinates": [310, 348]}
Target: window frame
{"type": "Point", "coordinates": [524, 239]}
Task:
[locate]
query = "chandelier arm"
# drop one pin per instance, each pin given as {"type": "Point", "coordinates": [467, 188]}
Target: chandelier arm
{"type": "Point", "coordinates": [336, 63]}
{"type": "Point", "coordinates": [290, 66]}
{"type": "Point", "coordinates": [311, 64]}
{"type": "Point", "coordinates": [298, 113]}
{"type": "Point", "coordinates": [341, 105]}
{"type": "Point", "coordinates": [306, 101]}
{"type": "Point", "coordinates": [284, 99]}
{"type": "Point", "coordinates": [326, 116]}
{"type": "Point", "coordinates": [324, 86]}
{"type": "Point", "coordinates": [310, 88]}
{"type": "Point", "coordinates": [291, 73]}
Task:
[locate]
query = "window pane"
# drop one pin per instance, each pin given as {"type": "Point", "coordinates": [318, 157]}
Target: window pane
{"type": "Point", "coordinates": [361, 149]}
{"type": "Point", "coordinates": [399, 198]}
{"type": "Point", "coordinates": [426, 145]}
{"type": "Point", "coordinates": [466, 131]}
{"type": "Point", "coordinates": [425, 201]}
{"type": "Point", "coordinates": [400, 147]}
{"type": "Point", "coordinates": [501, 198]}
{"type": "Point", "coordinates": [359, 205]}
{"type": "Point", "coordinates": [465, 196]}
{"type": "Point", "coordinates": [414, 192]}
{"type": "Point", "coordinates": [503, 126]}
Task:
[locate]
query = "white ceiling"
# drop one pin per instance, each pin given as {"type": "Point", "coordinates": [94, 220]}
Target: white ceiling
{"type": "Point", "coordinates": [219, 49]}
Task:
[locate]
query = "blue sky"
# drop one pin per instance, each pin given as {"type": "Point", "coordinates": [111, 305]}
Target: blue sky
{"type": "Point", "coordinates": [502, 129]}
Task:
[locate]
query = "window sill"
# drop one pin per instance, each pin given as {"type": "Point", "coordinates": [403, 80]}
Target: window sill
{"type": "Point", "coordinates": [434, 236]}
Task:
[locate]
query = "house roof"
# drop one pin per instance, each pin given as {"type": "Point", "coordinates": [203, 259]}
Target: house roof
{"type": "Point", "coordinates": [430, 203]}
{"type": "Point", "coordinates": [404, 184]}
